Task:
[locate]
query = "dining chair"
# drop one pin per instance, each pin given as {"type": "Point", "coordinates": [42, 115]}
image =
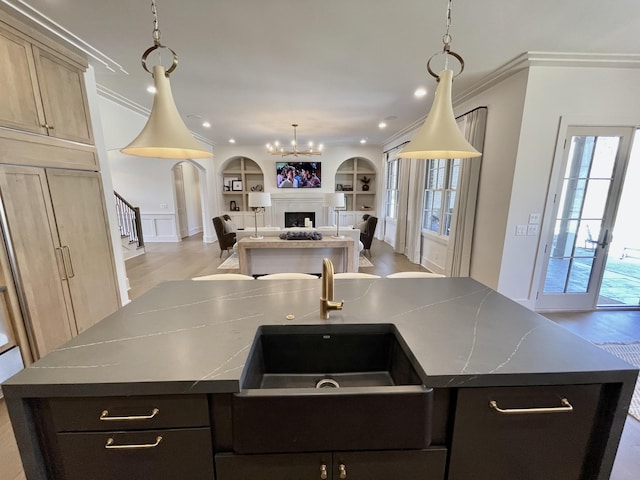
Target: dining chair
{"type": "Point", "coordinates": [354, 275]}
{"type": "Point", "coordinates": [224, 276]}
{"type": "Point", "coordinates": [415, 275]}
{"type": "Point", "coordinates": [288, 276]}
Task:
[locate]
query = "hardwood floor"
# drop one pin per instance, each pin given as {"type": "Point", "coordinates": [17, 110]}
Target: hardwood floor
{"type": "Point", "coordinates": [191, 258]}
{"type": "Point", "coordinates": [10, 464]}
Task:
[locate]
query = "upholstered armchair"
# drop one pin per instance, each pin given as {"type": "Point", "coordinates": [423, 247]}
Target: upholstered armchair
{"type": "Point", "coordinates": [226, 240]}
{"type": "Point", "coordinates": [367, 233]}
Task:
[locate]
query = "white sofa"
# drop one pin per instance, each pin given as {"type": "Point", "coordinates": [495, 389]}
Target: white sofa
{"type": "Point", "coordinates": [325, 231]}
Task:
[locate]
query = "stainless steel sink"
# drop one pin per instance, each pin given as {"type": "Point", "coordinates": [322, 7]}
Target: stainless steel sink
{"type": "Point", "coordinates": [330, 387]}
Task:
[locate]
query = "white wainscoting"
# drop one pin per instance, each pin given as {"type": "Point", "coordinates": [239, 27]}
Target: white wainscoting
{"type": "Point", "coordinates": [434, 253]}
{"type": "Point", "coordinates": [160, 227]}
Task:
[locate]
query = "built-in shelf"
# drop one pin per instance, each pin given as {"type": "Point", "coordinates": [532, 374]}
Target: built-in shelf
{"type": "Point", "coordinates": [251, 178]}
{"type": "Point", "coordinates": [349, 179]}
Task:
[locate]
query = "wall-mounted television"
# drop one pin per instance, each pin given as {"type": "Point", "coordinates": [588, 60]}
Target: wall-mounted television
{"type": "Point", "coordinates": [298, 174]}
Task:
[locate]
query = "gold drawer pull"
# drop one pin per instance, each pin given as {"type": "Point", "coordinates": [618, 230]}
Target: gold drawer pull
{"type": "Point", "coordinates": [105, 416]}
{"type": "Point", "coordinates": [323, 471]}
{"type": "Point", "coordinates": [343, 471]}
{"type": "Point", "coordinates": [566, 407]}
{"type": "Point", "coordinates": [110, 445]}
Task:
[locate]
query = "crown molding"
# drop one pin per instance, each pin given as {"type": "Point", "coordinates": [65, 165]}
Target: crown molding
{"type": "Point", "coordinates": [136, 107]}
{"type": "Point", "coordinates": [533, 59]}
{"type": "Point", "coordinates": [549, 59]}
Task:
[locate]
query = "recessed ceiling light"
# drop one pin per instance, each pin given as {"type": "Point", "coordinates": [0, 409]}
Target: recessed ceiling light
{"type": "Point", "coordinates": [363, 141]}
{"type": "Point", "coordinates": [151, 89]}
{"type": "Point", "coordinates": [206, 124]}
{"type": "Point", "coordinates": [382, 125]}
{"type": "Point", "coordinates": [232, 140]}
{"type": "Point", "coordinates": [420, 92]}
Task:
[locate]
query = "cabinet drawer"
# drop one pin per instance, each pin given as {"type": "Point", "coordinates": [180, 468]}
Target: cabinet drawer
{"type": "Point", "coordinates": [534, 436]}
{"type": "Point", "coordinates": [289, 466]}
{"type": "Point", "coordinates": [427, 464]}
{"type": "Point", "coordinates": [160, 455]}
{"type": "Point", "coordinates": [128, 413]}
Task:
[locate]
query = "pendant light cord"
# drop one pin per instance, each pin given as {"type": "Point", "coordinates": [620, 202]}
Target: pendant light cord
{"type": "Point", "coordinates": [446, 51]}
{"type": "Point", "coordinates": [156, 29]}
{"type": "Point", "coordinates": [157, 45]}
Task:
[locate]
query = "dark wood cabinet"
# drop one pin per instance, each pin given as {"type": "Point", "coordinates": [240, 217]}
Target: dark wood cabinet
{"type": "Point", "coordinates": [427, 464]}
{"type": "Point", "coordinates": [121, 438]}
{"type": "Point", "coordinates": [528, 433]}
{"type": "Point", "coordinates": [148, 454]}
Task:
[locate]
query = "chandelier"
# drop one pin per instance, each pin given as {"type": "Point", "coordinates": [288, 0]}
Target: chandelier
{"type": "Point", "coordinates": [276, 149]}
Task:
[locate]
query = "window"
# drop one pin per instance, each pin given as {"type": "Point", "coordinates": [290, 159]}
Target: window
{"type": "Point", "coordinates": [440, 185]}
{"type": "Point", "coordinates": [393, 170]}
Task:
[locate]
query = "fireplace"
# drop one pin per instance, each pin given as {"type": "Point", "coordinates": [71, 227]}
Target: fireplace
{"type": "Point", "coordinates": [297, 219]}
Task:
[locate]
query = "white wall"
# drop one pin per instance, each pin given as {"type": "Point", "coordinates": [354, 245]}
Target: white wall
{"type": "Point", "coordinates": [505, 103]}
{"type": "Point", "coordinates": [192, 197]}
{"type": "Point", "coordinates": [556, 97]}
{"type": "Point", "coordinates": [331, 159]}
{"type": "Point", "coordinates": [147, 182]}
{"type": "Point", "coordinates": [107, 182]}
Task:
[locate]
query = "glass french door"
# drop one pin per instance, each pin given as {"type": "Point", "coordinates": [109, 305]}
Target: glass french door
{"type": "Point", "coordinates": [584, 204]}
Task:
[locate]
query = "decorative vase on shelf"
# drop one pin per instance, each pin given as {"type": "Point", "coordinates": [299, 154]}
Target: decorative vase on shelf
{"type": "Point", "coordinates": [365, 187]}
{"type": "Point", "coordinates": [365, 183]}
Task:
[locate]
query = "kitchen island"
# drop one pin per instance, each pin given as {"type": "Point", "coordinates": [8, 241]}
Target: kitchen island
{"type": "Point", "coordinates": [182, 348]}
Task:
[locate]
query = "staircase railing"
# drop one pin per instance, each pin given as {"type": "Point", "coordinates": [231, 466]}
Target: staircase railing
{"type": "Point", "coordinates": [129, 220]}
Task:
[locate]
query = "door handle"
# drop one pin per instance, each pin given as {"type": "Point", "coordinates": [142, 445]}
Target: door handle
{"type": "Point", "coordinates": [606, 240]}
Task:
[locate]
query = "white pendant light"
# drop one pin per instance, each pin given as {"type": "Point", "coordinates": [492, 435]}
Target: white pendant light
{"type": "Point", "coordinates": [165, 135]}
{"type": "Point", "coordinates": [439, 136]}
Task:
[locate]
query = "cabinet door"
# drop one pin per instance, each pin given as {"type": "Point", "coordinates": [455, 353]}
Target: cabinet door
{"type": "Point", "coordinates": [150, 454]}
{"type": "Point", "coordinates": [294, 466]}
{"type": "Point", "coordinates": [37, 250]}
{"type": "Point", "coordinates": [20, 105]}
{"type": "Point", "coordinates": [81, 218]}
{"type": "Point", "coordinates": [63, 96]}
{"type": "Point", "coordinates": [529, 445]}
{"type": "Point", "coordinates": [425, 464]}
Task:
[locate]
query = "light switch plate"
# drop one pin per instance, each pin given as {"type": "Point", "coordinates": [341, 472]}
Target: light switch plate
{"type": "Point", "coordinates": [521, 230]}
{"type": "Point", "coordinates": [534, 218]}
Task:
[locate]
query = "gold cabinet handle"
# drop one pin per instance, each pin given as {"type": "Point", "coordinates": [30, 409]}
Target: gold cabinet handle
{"type": "Point", "coordinates": [47, 126]}
{"type": "Point", "coordinates": [66, 260]}
{"type": "Point", "coordinates": [565, 408]}
{"type": "Point", "coordinates": [106, 418]}
{"type": "Point", "coordinates": [343, 471]}
{"type": "Point", "coordinates": [111, 445]}
{"type": "Point", "coordinates": [61, 263]}
{"type": "Point", "coordinates": [323, 471]}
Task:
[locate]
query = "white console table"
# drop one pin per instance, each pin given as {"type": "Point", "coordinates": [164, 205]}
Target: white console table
{"type": "Point", "coordinates": [273, 255]}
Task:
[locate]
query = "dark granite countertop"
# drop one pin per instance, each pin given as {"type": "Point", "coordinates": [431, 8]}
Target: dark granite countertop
{"type": "Point", "coordinates": [186, 336]}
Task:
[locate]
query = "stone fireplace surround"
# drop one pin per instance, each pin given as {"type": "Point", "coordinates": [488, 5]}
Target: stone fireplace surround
{"type": "Point", "coordinates": [297, 202]}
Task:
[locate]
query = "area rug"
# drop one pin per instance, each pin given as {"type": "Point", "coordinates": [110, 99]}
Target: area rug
{"type": "Point", "coordinates": [630, 353]}
{"type": "Point", "coordinates": [231, 263]}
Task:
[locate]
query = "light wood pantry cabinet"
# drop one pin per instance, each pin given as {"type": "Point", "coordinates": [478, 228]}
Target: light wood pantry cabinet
{"type": "Point", "coordinates": [63, 262]}
{"type": "Point", "coordinates": [356, 177]}
{"type": "Point", "coordinates": [42, 89]}
{"type": "Point", "coordinates": [241, 176]}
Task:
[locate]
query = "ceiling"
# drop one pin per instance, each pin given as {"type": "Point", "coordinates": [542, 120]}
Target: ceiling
{"type": "Point", "coordinates": [336, 67]}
